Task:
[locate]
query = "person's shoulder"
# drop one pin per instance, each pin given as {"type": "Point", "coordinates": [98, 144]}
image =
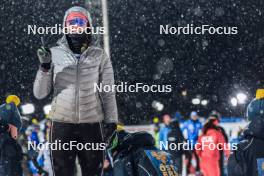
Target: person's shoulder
{"type": "Point", "coordinates": [56, 50]}
{"type": "Point", "coordinates": [187, 121]}
{"type": "Point", "coordinates": [96, 48]}
{"type": "Point", "coordinates": [218, 133]}
{"type": "Point", "coordinates": [9, 106]}
{"type": "Point", "coordinates": [96, 52]}
{"type": "Point", "coordinates": [55, 45]}
{"type": "Point", "coordinates": [221, 129]}
{"type": "Point", "coordinates": [212, 132]}
{"type": "Point", "coordinates": [163, 128]}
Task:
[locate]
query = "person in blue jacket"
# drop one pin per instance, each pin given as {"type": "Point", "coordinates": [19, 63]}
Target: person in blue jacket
{"type": "Point", "coordinates": [191, 130]}
{"type": "Point", "coordinates": [10, 150]}
{"type": "Point", "coordinates": [164, 130]}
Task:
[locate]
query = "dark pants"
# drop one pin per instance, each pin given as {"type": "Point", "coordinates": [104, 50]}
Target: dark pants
{"type": "Point", "coordinates": [178, 162]}
{"type": "Point", "coordinates": [189, 155]}
{"type": "Point", "coordinates": [10, 156]}
{"type": "Point", "coordinates": [221, 163]}
{"type": "Point", "coordinates": [91, 161]}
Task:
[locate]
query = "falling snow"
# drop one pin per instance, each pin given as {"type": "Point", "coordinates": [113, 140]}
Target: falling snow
{"type": "Point", "coordinates": [213, 66]}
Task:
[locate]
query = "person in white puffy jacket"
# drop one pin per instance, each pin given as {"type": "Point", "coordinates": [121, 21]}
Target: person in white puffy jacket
{"type": "Point", "coordinates": [72, 69]}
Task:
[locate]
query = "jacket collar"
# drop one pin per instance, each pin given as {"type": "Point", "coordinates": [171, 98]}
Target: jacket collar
{"type": "Point", "coordinates": [63, 43]}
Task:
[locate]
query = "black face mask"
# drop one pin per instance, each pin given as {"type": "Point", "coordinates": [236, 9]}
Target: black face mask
{"type": "Point", "coordinates": [78, 42]}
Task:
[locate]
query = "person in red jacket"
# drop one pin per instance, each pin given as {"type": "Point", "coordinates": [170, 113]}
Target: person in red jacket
{"type": "Point", "coordinates": [208, 148]}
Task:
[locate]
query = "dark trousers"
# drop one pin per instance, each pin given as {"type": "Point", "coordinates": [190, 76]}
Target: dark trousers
{"type": "Point", "coordinates": [10, 156]}
{"type": "Point", "coordinates": [91, 161]}
{"type": "Point", "coordinates": [189, 155]}
{"type": "Point", "coordinates": [221, 163]}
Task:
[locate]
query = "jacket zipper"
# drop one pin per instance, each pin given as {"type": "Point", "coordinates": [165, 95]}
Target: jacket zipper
{"type": "Point", "coordinates": [77, 114]}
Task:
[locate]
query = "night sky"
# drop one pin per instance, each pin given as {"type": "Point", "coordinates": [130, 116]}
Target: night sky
{"type": "Point", "coordinates": [214, 67]}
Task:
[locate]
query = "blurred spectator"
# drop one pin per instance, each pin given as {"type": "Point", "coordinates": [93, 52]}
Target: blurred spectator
{"type": "Point", "coordinates": [235, 139]}
{"type": "Point", "coordinates": [175, 136]}
{"type": "Point", "coordinates": [191, 130]}
{"type": "Point", "coordinates": [165, 129]}
{"type": "Point", "coordinates": [207, 149]}
{"type": "Point", "coordinates": [44, 160]}
{"type": "Point", "coordinates": [215, 116]}
{"type": "Point", "coordinates": [178, 116]}
{"type": "Point", "coordinates": [10, 150]}
{"type": "Point", "coordinates": [39, 162]}
{"type": "Point", "coordinates": [156, 130]}
{"type": "Point", "coordinates": [248, 159]}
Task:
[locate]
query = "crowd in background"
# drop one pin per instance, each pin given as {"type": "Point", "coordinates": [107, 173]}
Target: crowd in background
{"type": "Point", "coordinates": [191, 132]}
{"type": "Point", "coordinates": [194, 131]}
{"type": "Point", "coordinates": [171, 130]}
{"type": "Point", "coordinates": [36, 162]}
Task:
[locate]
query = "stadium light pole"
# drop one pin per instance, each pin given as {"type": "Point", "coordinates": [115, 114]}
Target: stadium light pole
{"type": "Point", "coordinates": [106, 27]}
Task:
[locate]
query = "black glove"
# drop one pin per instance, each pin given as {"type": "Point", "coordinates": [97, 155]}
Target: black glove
{"type": "Point", "coordinates": [109, 129]}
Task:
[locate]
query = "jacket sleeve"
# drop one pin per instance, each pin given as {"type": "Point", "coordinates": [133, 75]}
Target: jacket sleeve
{"type": "Point", "coordinates": [184, 130]}
{"type": "Point", "coordinates": [162, 140]}
{"type": "Point", "coordinates": [108, 99]}
{"type": "Point", "coordinates": [161, 137]}
{"type": "Point", "coordinates": [43, 83]}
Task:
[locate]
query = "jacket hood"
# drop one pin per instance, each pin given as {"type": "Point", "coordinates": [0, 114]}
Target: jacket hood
{"type": "Point", "coordinates": [78, 9]}
{"type": "Point", "coordinates": [255, 128]}
{"type": "Point", "coordinates": [63, 41]}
